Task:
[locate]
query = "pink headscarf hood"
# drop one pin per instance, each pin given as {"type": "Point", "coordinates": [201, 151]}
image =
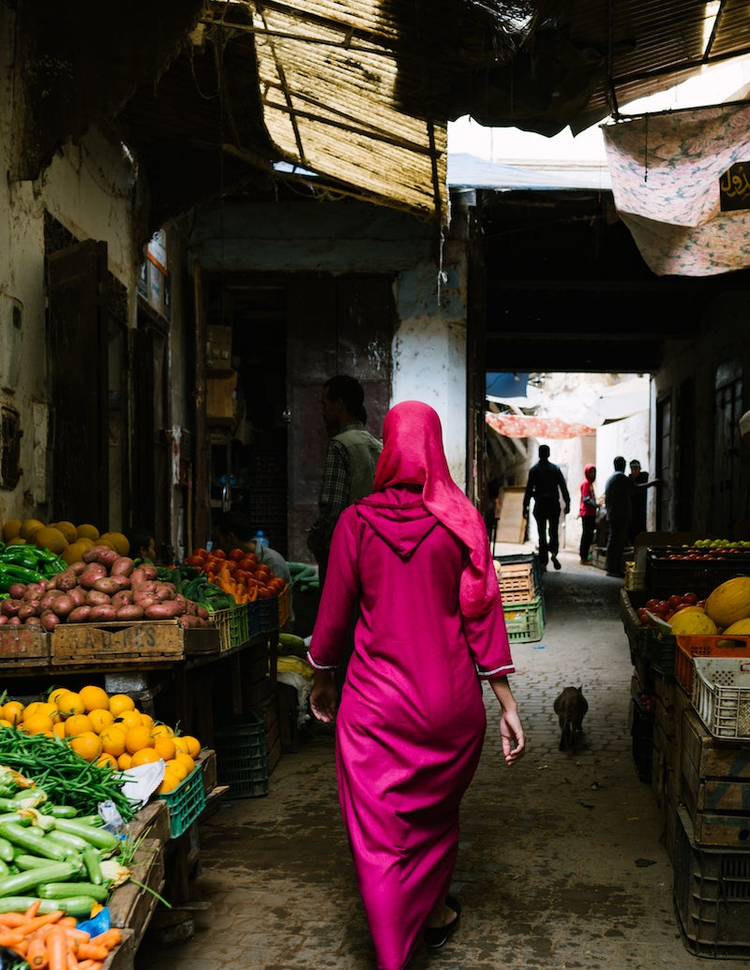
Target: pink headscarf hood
{"type": "Point", "coordinates": [413, 455]}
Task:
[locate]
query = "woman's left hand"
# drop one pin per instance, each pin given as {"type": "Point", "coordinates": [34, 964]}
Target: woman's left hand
{"type": "Point", "coordinates": [324, 696]}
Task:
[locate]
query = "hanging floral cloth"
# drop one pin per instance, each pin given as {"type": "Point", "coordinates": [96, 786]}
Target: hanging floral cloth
{"type": "Point", "coordinates": [667, 170]}
{"type": "Point", "coordinates": [523, 426]}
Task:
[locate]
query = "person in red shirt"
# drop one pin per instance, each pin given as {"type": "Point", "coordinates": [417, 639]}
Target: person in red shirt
{"type": "Point", "coordinates": [587, 511]}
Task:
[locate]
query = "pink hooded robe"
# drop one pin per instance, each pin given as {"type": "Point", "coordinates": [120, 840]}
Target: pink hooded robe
{"type": "Point", "coordinates": [414, 558]}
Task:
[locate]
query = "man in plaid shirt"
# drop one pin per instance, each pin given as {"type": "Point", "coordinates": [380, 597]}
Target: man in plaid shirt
{"type": "Point", "coordinates": [351, 458]}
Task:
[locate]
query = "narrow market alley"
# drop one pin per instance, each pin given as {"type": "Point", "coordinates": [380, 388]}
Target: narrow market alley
{"type": "Point", "coordinates": [562, 861]}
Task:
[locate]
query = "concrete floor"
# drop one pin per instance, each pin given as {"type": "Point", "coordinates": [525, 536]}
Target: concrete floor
{"type": "Point", "coordinates": [561, 865]}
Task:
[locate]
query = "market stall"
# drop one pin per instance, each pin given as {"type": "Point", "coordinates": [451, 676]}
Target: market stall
{"type": "Point", "coordinates": [688, 627]}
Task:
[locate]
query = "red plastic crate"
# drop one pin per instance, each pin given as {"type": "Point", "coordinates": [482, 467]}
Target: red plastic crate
{"type": "Point", "coordinates": [720, 646]}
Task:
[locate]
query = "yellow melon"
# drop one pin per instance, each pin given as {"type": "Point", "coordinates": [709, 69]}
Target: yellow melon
{"type": "Point", "coordinates": [29, 527]}
{"type": "Point", "coordinates": [50, 538]}
{"type": "Point", "coordinates": [87, 531]}
{"type": "Point", "coordinates": [118, 541]}
{"type": "Point", "coordinates": [74, 552]}
{"type": "Point", "coordinates": [740, 628]}
{"type": "Point", "coordinates": [692, 624]}
{"type": "Point", "coordinates": [68, 530]}
{"type": "Point", "coordinates": [730, 601]}
{"type": "Point", "coordinates": [11, 529]}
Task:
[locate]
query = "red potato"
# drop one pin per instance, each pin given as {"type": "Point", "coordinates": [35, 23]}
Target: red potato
{"type": "Point", "coordinates": [123, 598]}
{"type": "Point", "coordinates": [167, 610]}
{"type": "Point", "coordinates": [3, 619]}
{"type": "Point", "coordinates": [143, 585]}
{"type": "Point", "coordinates": [145, 599]}
{"type": "Point", "coordinates": [144, 572]}
{"type": "Point", "coordinates": [10, 607]}
{"type": "Point", "coordinates": [100, 554]}
{"type": "Point", "coordinates": [201, 611]}
{"type": "Point", "coordinates": [122, 566]}
{"type": "Point", "coordinates": [165, 593]}
{"type": "Point", "coordinates": [63, 605]}
{"type": "Point", "coordinates": [17, 590]}
{"type": "Point", "coordinates": [49, 598]}
{"type": "Point", "coordinates": [102, 614]}
{"type": "Point", "coordinates": [129, 611]}
{"type": "Point", "coordinates": [26, 610]}
{"type": "Point", "coordinates": [77, 567]}
{"type": "Point", "coordinates": [65, 580]}
{"type": "Point", "coordinates": [13, 621]}
{"type": "Point", "coordinates": [95, 597]}
{"type": "Point", "coordinates": [34, 622]}
{"type": "Point", "coordinates": [111, 584]}
{"type": "Point", "coordinates": [92, 572]}
{"type": "Point", "coordinates": [78, 595]}
{"type": "Point", "coordinates": [35, 590]}
{"type": "Point", "coordinates": [80, 614]}
{"type": "Point", "coordinates": [49, 620]}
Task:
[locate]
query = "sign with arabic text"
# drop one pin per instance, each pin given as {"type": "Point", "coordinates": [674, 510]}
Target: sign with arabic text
{"type": "Point", "coordinates": [734, 187]}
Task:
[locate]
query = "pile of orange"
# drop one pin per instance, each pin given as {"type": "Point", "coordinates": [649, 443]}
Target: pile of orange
{"type": "Point", "coordinates": [106, 729]}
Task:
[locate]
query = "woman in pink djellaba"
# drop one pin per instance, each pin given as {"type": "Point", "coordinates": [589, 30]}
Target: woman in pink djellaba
{"type": "Point", "coordinates": [412, 563]}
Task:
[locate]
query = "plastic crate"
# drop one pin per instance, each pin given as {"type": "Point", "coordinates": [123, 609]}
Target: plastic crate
{"type": "Point", "coordinates": [721, 695]}
{"type": "Point", "coordinates": [659, 650]}
{"type": "Point", "coordinates": [284, 606]}
{"type": "Point", "coordinates": [185, 802]}
{"type": "Point", "coordinates": [268, 612]}
{"type": "Point", "coordinates": [253, 620]}
{"type": "Point", "coordinates": [524, 621]}
{"type": "Point", "coordinates": [238, 627]}
{"type": "Point", "coordinates": [221, 620]}
{"type": "Point", "coordinates": [242, 759]}
{"type": "Point", "coordinates": [642, 736]}
{"type": "Point", "coordinates": [663, 577]}
{"type": "Point", "coordinates": [705, 646]}
{"type": "Point", "coordinates": [711, 895]}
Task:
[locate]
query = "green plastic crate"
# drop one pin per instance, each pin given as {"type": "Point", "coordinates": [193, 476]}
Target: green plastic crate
{"type": "Point", "coordinates": [242, 759]}
{"type": "Point", "coordinates": [185, 802]}
{"type": "Point", "coordinates": [238, 625]}
{"type": "Point", "coordinates": [525, 621]}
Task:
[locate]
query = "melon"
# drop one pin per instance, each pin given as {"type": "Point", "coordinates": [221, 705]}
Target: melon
{"type": "Point", "coordinates": [11, 529]}
{"type": "Point", "coordinates": [50, 538]}
{"type": "Point", "coordinates": [693, 624]}
{"type": "Point", "coordinates": [730, 601]}
{"type": "Point", "coordinates": [740, 628]}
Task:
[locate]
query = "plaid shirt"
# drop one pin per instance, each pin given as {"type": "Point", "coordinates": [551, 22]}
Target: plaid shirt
{"type": "Point", "coordinates": [334, 492]}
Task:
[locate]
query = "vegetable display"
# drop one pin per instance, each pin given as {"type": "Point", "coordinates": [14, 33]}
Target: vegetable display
{"type": "Point", "coordinates": [103, 587]}
{"type": "Point", "coordinates": [27, 564]}
{"type": "Point", "coordinates": [239, 574]}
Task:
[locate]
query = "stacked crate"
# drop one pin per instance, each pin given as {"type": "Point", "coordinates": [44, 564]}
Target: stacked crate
{"type": "Point", "coordinates": [520, 579]}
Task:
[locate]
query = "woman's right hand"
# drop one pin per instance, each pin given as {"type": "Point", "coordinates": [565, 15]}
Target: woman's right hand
{"type": "Point", "coordinates": [324, 696]}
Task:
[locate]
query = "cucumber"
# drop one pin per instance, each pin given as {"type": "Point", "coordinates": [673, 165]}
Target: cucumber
{"type": "Point", "coordinates": [22, 882]}
{"type": "Point", "coordinates": [63, 890]}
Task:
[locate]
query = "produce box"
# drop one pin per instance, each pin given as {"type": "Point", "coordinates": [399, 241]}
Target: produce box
{"type": "Point", "coordinates": [131, 905]}
{"type": "Point", "coordinates": [705, 646]}
{"type": "Point", "coordinates": [659, 650]}
{"type": "Point", "coordinates": [238, 625]}
{"type": "Point", "coordinates": [711, 896]}
{"type": "Point", "coordinates": [520, 577]}
{"type": "Point", "coordinates": [242, 759]}
{"type": "Point", "coordinates": [664, 576]}
{"type": "Point", "coordinates": [268, 613]}
{"type": "Point", "coordinates": [220, 620]}
{"type": "Point", "coordinates": [721, 695]}
{"type": "Point", "coordinates": [525, 621]}
{"type": "Point", "coordinates": [207, 760]}
{"type": "Point", "coordinates": [24, 647]}
{"type": "Point", "coordinates": [220, 396]}
{"type": "Point", "coordinates": [147, 641]}
{"type": "Point", "coordinates": [185, 802]}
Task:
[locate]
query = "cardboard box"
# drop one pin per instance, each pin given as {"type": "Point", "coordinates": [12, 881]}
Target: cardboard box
{"type": "Point", "coordinates": [219, 349]}
{"type": "Point", "coordinates": [220, 402]}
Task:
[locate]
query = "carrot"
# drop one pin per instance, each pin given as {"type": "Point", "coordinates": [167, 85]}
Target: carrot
{"type": "Point", "coordinates": [37, 922]}
{"type": "Point", "coordinates": [11, 919]}
{"type": "Point", "coordinates": [109, 938]}
{"type": "Point", "coordinates": [33, 909]}
{"type": "Point", "coordinates": [72, 963]}
{"type": "Point", "coordinates": [57, 948]}
{"type": "Point", "coordinates": [36, 955]}
{"type": "Point", "coordinates": [68, 921]}
{"type": "Point", "coordinates": [90, 965]}
{"type": "Point", "coordinates": [89, 951]}
{"type": "Point", "coordinates": [11, 938]}
{"type": "Point", "coordinates": [77, 936]}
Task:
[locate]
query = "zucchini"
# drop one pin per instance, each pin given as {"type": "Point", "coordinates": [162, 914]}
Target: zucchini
{"type": "Point", "coordinates": [7, 853]}
{"type": "Point", "coordinates": [19, 904]}
{"type": "Point", "coordinates": [22, 882]}
{"type": "Point", "coordinates": [99, 837]}
{"type": "Point", "coordinates": [73, 843]}
{"type": "Point", "coordinates": [93, 866]}
{"type": "Point", "coordinates": [30, 842]}
{"type": "Point", "coordinates": [61, 890]}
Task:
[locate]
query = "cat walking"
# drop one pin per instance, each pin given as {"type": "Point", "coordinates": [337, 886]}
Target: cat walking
{"type": "Point", "coordinates": [570, 707]}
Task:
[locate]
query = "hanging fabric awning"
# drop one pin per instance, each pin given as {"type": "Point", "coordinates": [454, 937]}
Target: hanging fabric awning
{"type": "Point", "coordinates": [666, 171]}
{"type": "Point", "coordinates": [524, 426]}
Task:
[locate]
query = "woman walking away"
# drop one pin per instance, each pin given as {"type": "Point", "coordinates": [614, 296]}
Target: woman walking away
{"type": "Point", "coordinates": [587, 511]}
{"type": "Point", "coordinates": [414, 559]}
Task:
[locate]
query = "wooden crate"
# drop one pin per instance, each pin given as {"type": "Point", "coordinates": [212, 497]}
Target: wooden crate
{"type": "Point", "coordinates": [207, 760]}
{"type": "Point", "coordinates": [131, 905]}
{"type": "Point", "coordinates": [145, 641]}
{"type": "Point", "coordinates": [152, 821]}
{"type": "Point", "coordinates": [24, 647]}
{"type": "Point", "coordinates": [715, 785]}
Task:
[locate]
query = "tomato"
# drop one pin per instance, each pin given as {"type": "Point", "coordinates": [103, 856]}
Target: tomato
{"type": "Point", "coordinates": [218, 554]}
{"type": "Point", "coordinates": [249, 562]}
{"type": "Point", "coordinates": [195, 560]}
{"type": "Point", "coordinates": [236, 555]}
{"type": "Point", "coordinates": [690, 598]}
{"type": "Point", "coordinates": [652, 603]}
{"type": "Point", "coordinates": [674, 601]}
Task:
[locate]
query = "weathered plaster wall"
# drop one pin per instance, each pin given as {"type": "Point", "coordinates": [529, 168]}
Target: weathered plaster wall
{"type": "Point", "coordinates": [88, 188]}
{"type": "Point", "coordinates": [429, 346]}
